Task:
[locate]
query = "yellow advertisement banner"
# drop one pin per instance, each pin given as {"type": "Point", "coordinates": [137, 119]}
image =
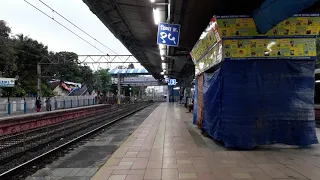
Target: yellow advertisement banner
{"type": "Point", "coordinates": [270, 48]}
{"type": "Point", "coordinates": [294, 26]}
{"type": "Point", "coordinates": [202, 46]}
{"type": "Point", "coordinates": [212, 58]}
{"type": "Point", "coordinates": [207, 40]}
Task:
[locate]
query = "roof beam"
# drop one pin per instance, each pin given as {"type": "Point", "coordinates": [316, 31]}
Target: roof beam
{"type": "Point", "coordinates": [106, 9]}
{"type": "Point", "coordinates": [110, 13]}
{"type": "Point", "coordinates": [117, 21]}
{"type": "Point", "coordinates": [122, 32]}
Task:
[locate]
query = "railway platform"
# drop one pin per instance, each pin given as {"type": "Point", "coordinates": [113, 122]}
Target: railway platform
{"type": "Point", "coordinates": [168, 146]}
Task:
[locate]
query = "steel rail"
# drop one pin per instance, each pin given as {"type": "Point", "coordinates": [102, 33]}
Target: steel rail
{"type": "Point", "coordinates": [8, 172]}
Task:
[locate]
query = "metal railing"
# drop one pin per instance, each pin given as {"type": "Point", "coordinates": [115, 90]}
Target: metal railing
{"type": "Point", "coordinates": [15, 106]}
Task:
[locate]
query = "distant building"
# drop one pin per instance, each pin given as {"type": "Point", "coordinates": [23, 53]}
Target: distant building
{"type": "Point", "coordinates": [65, 88]}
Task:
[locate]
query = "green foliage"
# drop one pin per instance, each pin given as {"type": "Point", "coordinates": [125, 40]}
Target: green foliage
{"type": "Point", "coordinates": [103, 80]}
{"type": "Point", "coordinates": [19, 56]}
{"type": "Point", "coordinates": [18, 91]}
{"type": "Point", "coordinates": [134, 90]}
{"type": "Point", "coordinates": [4, 29]}
{"type": "Point", "coordinates": [7, 54]}
{"type": "Point", "coordinates": [46, 91]}
{"type": "Point", "coordinates": [114, 89]}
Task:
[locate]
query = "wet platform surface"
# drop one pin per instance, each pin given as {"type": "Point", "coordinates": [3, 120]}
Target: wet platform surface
{"type": "Point", "coordinates": [168, 146]}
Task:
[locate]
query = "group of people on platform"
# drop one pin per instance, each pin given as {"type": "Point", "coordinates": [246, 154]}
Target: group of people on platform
{"type": "Point", "coordinates": [39, 104]}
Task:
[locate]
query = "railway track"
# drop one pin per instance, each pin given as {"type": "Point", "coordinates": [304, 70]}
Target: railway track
{"type": "Point", "coordinates": [17, 151]}
{"type": "Point", "coordinates": [21, 142]}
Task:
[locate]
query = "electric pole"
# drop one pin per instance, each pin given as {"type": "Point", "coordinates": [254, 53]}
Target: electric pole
{"type": "Point", "coordinates": [39, 80]}
{"type": "Point", "coordinates": [119, 89]}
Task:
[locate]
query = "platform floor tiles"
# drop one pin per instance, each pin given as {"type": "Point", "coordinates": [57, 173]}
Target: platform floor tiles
{"type": "Point", "coordinates": [168, 146]}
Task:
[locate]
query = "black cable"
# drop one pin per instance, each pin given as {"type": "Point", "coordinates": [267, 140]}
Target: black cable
{"type": "Point", "coordinates": [39, 56]}
{"type": "Point", "coordinates": [76, 26]}
{"type": "Point", "coordinates": [63, 26]}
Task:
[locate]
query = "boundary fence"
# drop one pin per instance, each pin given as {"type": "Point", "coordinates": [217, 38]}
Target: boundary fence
{"type": "Point", "coordinates": [14, 106]}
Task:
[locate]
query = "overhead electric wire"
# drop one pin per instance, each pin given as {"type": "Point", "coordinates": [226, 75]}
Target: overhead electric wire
{"type": "Point", "coordinates": [64, 26]}
{"type": "Point", "coordinates": [77, 26]}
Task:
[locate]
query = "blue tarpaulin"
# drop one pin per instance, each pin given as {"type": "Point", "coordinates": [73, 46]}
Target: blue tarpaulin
{"type": "Point", "coordinates": [195, 102]}
{"type": "Point", "coordinates": [272, 12]}
{"type": "Point", "coordinates": [255, 102]}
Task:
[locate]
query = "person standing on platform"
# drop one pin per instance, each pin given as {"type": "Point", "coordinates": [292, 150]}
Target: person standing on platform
{"type": "Point", "coordinates": [181, 98]}
{"type": "Point", "coordinates": [191, 106]}
{"type": "Point", "coordinates": [48, 104]}
{"type": "Point", "coordinates": [38, 104]}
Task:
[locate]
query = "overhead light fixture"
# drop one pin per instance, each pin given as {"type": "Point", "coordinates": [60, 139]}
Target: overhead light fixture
{"type": "Point", "coordinates": [161, 46]}
{"type": "Point", "coordinates": [162, 52]}
{"type": "Point", "coordinates": [156, 16]}
{"type": "Point", "coordinates": [169, 12]}
{"type": "Point", "coordinates": [164, 65]}
{"type": "Point", "coordinates": [152, 1]}
{"type": "Point", "coordinates": [162, 73]}
{"type": "Point", "coordinates": [162, 58]}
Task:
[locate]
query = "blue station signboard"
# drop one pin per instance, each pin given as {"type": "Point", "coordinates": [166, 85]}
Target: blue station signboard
{"type": "Point", "coordinates": [172, 82]}
{"type": "Point", "coordinates": [168, 34]}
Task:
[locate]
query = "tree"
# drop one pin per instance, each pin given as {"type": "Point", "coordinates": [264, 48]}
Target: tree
{"type": "Point", "coordinates": [87, 76]}
{"type": "Point", "coordinates": [103, 81]}
{"type": "Point", "coordinates": [65, 67]}
{"type": "Point", "coordinates": [29, 53]}
{"type": "Point", "coordinates": [7, 54]}
{"type": "Point", "coordinates": [4, 29]}
{"type": "Point", "coordinates": [19, 56]}
{"type": "Point", "coordinates": [68, 68]}
{"type": "Point", "coordinates": [114, 89]}
{"type": "Point", "coordinates": [135, 90]}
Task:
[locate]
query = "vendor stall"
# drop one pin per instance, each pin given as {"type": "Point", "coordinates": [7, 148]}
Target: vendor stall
{"type": "Point", "coordinates": [257, 89]}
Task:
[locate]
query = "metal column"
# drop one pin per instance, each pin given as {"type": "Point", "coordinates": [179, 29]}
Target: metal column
{"type": "Point", "coordinates": [39, 80]}
{"type": "Point", "coordinates": [119, 89]}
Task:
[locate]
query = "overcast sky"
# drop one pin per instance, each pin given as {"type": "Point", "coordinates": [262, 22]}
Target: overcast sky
{"type": "Point", "coordinates": [23, 18]}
